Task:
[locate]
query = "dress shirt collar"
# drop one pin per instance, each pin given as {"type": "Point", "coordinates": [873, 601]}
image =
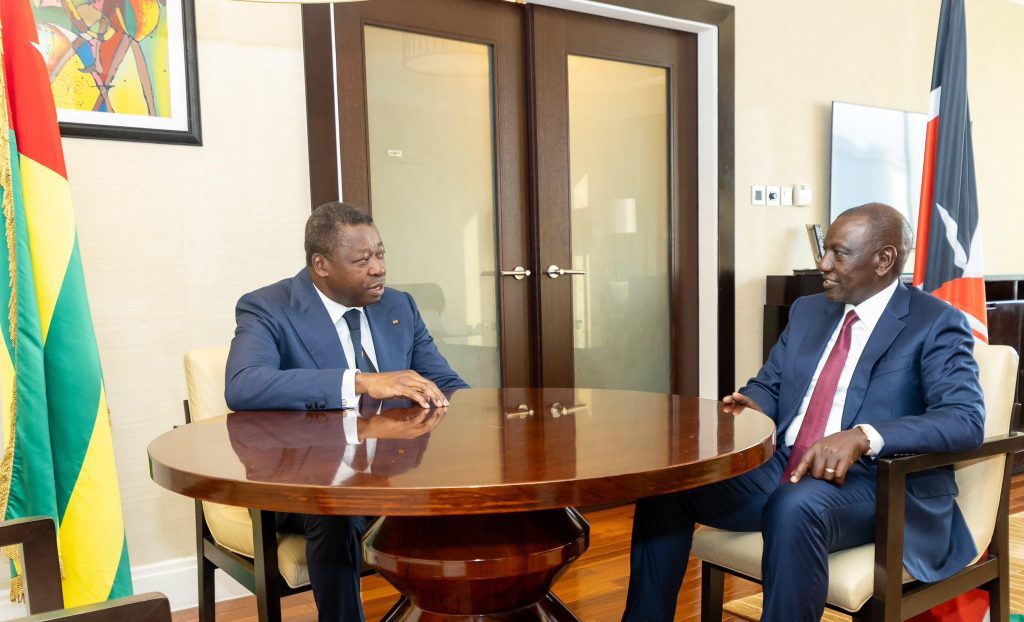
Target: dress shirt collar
{"type": "Point", "coordinates": [870, 311]}
{"type": "Point", "coordinates": [334, 309]}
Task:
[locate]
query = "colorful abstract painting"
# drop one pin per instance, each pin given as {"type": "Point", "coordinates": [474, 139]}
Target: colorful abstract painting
{"type": "Point", "coordinates": [119, 63]}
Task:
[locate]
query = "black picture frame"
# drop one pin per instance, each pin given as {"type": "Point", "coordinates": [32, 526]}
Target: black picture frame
{"type": "Point", "coordinates": [191, 135]}
{"type": "Point", "coordinates": [816, 236]}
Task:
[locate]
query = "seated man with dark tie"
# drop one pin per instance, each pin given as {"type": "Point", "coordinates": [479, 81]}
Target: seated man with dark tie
{"type": "Point", "coordinates": [318, 341]}
{"type": "Point", "coordinates": [868, 369]}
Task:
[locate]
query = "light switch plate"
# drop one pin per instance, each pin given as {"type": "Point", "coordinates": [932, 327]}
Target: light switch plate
{"type": "Point", "coordinates": [771, 195]}
{"type": "Point", "coordinates": [757, 195]}
{"type": "Point", "coordinates": [786, 195]}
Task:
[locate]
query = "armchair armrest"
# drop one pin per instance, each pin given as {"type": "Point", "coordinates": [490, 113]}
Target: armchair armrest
{"type": "Point", "coordinates": [151, 607]}
{"type": "Point", "coordinates": [890, 506]}
{"type": "Point", "coordinates": [38, 537]}
{"type": "Point", "coordinates": [904, 465]}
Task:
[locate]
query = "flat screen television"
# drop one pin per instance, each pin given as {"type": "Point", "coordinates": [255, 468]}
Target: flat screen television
{"type": "Point", "coordinates": [877, 156]}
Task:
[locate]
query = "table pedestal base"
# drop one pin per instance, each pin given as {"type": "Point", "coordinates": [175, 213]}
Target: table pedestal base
{"type": "Point", "coordinates": [548, 609]}
{"type": "Point", "coordinates": [496, 567]}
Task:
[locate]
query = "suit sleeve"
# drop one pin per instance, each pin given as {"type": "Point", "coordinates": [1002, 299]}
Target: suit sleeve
{"type": "Point", "coordinates": [764, 387]}
{"type": "Point", "coordinates": [426, 359]}
{"type": "Point", "coordinates": [954, 416]}
{"type": "Point", "coordinates": [254, 379]}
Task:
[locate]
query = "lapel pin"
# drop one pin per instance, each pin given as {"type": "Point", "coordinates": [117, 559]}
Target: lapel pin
{"type": "Point", "coordinates": [395, 322]}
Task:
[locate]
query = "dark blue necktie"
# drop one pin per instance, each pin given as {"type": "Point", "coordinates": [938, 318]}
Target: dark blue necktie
{"type": "Point", "coordinates": [363, 362]}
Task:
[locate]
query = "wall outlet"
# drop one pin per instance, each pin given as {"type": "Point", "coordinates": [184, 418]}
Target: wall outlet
{"type": "Point", "coordinates": [771, 195]}
{"type": "Point", "coordinates": [802, 194]}
{"type": "Point", "coordinates": [786, 195]}
{"type": "Point", "coordinates": [757, 195]}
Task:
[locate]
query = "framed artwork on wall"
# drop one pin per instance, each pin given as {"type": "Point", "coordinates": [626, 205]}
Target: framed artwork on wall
{"type": "Point", "coordinates": [122, 69]}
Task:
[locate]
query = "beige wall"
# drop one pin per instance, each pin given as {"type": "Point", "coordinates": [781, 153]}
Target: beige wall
{"type": "Point", "coordinates": [793, 57]}
{"type": "Point", "coordinates": [172, 235]}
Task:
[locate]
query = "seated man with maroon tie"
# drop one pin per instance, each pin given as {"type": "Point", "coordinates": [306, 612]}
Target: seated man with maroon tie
{"type": "Point", "coordinates": [317, 341]}
{"type": "Point", "coordinates": [870, 368]}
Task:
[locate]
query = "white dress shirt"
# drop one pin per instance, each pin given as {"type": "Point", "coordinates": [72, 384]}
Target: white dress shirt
{"type": "Point", "coordinates": [869, 312]}
{"type": "Point", "coordinates": [349, 399]}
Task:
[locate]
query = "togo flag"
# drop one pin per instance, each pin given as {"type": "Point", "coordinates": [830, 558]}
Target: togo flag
{"type": "Point", "coordinates": [948, 261]}
{"type": "Point", "coordinates": [57, 458]}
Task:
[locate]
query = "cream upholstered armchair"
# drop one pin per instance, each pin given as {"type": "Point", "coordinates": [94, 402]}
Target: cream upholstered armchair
{"type": "Point", "coordinates": [870, 582]}
{"type": "Point", "coordinates": [243, 543]}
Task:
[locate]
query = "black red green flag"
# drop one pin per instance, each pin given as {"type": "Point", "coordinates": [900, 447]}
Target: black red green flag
{"type": "Point", "coordinates": [948, 261]}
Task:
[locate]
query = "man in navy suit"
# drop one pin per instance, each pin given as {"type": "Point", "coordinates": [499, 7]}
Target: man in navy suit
{"type": "Point", "coordinates": [868, 369]}
{"type": "Point", "coordinates": [318, 341]}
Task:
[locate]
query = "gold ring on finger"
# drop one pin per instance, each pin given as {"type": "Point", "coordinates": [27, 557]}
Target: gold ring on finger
{"type": "Point", "coordinates": [829, 470]}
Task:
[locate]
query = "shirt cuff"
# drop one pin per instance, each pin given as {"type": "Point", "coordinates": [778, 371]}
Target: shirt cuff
{"type": "Point", "coordinates": [349, 399]}
{"type": "Point", "coordinates": [875, 442]}
{"type": "Point", "coordinates": [349, 423]}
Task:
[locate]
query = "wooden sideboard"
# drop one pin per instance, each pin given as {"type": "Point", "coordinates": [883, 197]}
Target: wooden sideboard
{"type": "Point", "coordinates": [1004, 293]}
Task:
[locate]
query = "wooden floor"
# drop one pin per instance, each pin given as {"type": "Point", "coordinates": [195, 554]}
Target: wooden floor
{"type": "Point", "coordinates": [594, 587]}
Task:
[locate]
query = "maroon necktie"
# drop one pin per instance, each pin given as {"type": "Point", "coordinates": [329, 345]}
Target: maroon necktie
{"type": "Point", "coordinates": [813, 426]}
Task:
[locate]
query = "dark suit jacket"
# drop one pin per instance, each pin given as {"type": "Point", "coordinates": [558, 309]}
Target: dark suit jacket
{"type": "Point", "coordinates": [286, 353]}
{"type": "Point", "coordinates": [916, 383]}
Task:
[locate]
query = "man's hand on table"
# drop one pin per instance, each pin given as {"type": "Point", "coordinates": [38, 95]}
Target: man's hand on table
{"type": "Point", "coordinates": [831, 457]}
{"type": "Point", "coordinates": [737, 403]}
{"type": "Point", "coordinates": [407, 384]}
{"type": "Point", "coordinates": [401, 423]}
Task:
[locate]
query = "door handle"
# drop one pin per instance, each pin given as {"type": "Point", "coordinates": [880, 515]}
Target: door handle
{"type": "Point", "coordinates": [519, 273]}
{"type": "Point", "coordinates": [554, 271]}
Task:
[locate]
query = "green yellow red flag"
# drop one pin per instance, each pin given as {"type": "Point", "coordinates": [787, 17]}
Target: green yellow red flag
{"type": "Point", "coordinates": [58, 457]}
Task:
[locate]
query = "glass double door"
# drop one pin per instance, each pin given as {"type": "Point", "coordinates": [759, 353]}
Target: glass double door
{"type": "Point", "coordinates": [533, 174]}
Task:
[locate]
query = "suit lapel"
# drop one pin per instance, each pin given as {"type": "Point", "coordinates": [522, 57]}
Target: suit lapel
{"type": "Point", "coordinates": [313, 324]}
{"type": "Point", "coordinates": [889, 326]}
{"type": "Point", "coordinates": [812, 345]}
{"type": "Point", "coordinates": [384, 332]}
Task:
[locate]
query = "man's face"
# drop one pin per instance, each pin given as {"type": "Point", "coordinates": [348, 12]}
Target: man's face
{"type": "Point", "coordinates": [354, 275]}
{"type": "Point", "coordinates": [850, 265]}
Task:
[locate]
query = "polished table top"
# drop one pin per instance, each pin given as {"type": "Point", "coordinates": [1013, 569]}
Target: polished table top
{"type": "Point", "coordinates": [490, 451]}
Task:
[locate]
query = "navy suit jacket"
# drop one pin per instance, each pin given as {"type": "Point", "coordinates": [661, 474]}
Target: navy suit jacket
{"type": "Point", "coordinates": [286, 353]}
{"type": "Point", "coordinates": [916, 383]}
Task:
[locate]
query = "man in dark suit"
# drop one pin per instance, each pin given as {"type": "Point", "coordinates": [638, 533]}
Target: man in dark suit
{"type": "Point", "coordinates": [868, 369]}
{"type": "Point", "coordinates": [318, 341]}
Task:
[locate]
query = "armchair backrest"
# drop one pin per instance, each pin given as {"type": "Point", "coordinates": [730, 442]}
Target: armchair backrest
{"type": "Point", "coordinates": [980, 481]}
{"type": "Point", "coordinates": [204, 380]}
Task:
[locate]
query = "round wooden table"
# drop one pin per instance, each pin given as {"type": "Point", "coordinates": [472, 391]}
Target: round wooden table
{"type": "Point", "coordinates": [479, 517]}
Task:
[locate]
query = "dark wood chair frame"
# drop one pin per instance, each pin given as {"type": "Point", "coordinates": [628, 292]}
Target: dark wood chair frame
{"type": "Point", "coordinates": [892, 601]}
{"type": "Point", "coordinates": [43, 593]}
{"type": "Point", "coordinates": [260, 575]}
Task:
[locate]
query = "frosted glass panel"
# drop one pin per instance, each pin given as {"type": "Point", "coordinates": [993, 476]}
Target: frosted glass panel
{"type": "Point", "coordinates": [618, 154]}
{"type": "Point", "coordinates": [432, 180]}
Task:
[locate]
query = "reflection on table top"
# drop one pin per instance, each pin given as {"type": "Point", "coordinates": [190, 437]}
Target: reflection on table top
{"type": "Point", "coordinates": [492, 450]}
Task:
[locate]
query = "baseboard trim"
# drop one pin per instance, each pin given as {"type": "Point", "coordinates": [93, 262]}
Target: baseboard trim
{"type": "Point", "coordinates": [178, 579]}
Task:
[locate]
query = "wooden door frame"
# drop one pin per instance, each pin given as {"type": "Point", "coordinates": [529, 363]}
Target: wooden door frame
{"type": "Point", "coordinates": [718, 22]}
{"type": "Point", "coordinates": [556, 35]}
{"type": "Point", "coordinates": [497, 24]}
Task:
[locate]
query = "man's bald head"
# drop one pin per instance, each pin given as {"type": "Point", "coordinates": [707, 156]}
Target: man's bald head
{"type": "Point", "coordinates": [886, 227]}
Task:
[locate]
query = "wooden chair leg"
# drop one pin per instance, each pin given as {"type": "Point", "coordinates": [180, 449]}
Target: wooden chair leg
{"type": "Point", "coordinates": [712, 593]}
{"type": "Point", "coordinates": [867, 613]}
{"type": "Point", "coordinates": [207, 597]}
{"type": "Point", "coordinates": [268, 595]}
{"type": "Point", "coordinates": [999, 588]}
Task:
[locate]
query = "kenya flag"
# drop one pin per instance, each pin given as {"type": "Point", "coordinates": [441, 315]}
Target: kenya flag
{"type": "Point", "coordinates": [948, 259]}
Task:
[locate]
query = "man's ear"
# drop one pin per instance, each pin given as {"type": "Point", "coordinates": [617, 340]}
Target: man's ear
{"type": "Point", "coordinates": [319, 265]}
{"type": "Point", "coordinates": [886, 260]}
